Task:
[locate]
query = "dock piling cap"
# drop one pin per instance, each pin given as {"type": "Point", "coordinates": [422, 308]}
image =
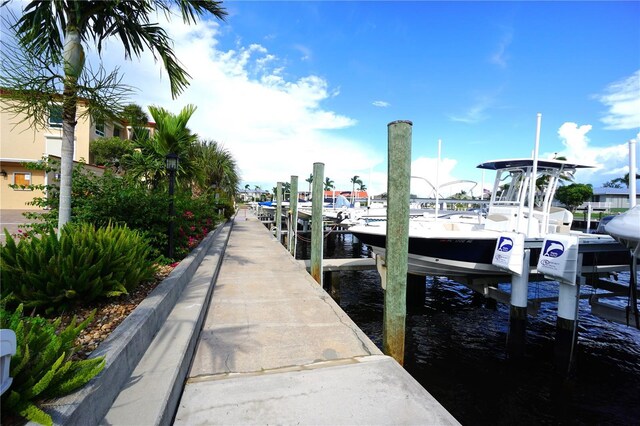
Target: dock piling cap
{"type": "Point", "coordinates": [409, 122]}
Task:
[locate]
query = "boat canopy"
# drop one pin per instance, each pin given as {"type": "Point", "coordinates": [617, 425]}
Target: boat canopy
{"type": "Point", "coordinates": [528, 162]}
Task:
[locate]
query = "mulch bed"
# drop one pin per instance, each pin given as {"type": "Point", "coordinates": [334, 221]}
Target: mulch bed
{"type": "Point", "coordinates": [109, 314]}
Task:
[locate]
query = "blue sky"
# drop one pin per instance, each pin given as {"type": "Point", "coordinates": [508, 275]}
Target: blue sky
{"type": "Point", "coordinates": [285, 84]}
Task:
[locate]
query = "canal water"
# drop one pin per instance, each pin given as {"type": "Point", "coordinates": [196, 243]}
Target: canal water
{"type": "Point", "coordinates": [456, 348]}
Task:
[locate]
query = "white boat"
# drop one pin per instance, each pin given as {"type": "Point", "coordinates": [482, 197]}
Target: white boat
{"type": "Point", "coordinates": [465, 246]}
{"type": "Point", "coordinates": [626, 229]}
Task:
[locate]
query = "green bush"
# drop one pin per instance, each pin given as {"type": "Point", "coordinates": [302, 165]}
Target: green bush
{"type": "Point", "coordinates": [42, 366]}
{"type": "Point", "coordinates": [84, 264]}
{"type": "Point", "coordinates": [195, 218]}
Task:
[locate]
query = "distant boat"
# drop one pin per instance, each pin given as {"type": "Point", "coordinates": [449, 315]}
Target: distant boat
{"type": "Point", "coordinates": [465, 245]}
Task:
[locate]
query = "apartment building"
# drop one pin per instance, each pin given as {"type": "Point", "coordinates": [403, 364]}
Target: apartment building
{"type": "Point", "coordinates": [21, 143]}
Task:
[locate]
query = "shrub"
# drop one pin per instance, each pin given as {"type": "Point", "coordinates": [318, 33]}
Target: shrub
{"type": "Point", "coordinates": [195, 218]}
{"type": "Point", "coordinates": [84, 264]}
{"type": "Point", "coordinates": [42, 366]}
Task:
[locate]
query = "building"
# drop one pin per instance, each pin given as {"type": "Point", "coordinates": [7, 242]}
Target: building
{"type": "Point", "coordinates": [611, 198]}
{"type": "Point", "coordinates": [21, 143]}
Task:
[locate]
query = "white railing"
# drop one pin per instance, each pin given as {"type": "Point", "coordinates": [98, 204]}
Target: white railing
{"type": "Point", "coordinates": [606, 205]}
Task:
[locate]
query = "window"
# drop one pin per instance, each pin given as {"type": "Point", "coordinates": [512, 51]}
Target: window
{"type": "Point", "coordinates": [116, 131]}
{"type": "Point", "coordinates": [100, 127]}
{"type": "Point", "coordinates": [22, 180]}
{"type": "Point", "coordinates": [55, 116]}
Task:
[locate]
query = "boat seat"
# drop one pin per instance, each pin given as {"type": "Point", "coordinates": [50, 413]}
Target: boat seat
{"type": "Point", "coordinates": [497, 217]}
{"type": "Point", "coordinates": [498, 222]}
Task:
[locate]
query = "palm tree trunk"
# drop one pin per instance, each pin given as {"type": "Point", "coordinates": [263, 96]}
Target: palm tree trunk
{"type": "Point", "coordinates": [73, 64]}
{"type": "Point", "coordinates": [66, 155]}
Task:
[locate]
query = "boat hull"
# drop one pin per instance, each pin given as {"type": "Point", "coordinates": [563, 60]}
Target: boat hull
{"type": "Point", "coordinates": [469, 256]}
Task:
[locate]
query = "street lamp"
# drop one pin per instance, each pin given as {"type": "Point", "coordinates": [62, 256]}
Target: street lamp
{"type": "Point", "coordinates": [171, 164]}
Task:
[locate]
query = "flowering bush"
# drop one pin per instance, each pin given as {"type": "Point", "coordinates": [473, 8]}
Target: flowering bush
{"type": "Point", "coordinates": [196, 218]}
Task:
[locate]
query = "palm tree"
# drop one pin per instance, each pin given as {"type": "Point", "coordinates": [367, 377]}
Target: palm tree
{"type": "Point", "coordinates": [59, 29]}
{"type": "Point", "coordinates": [354, 181]}
{"type": "Point", "coordinates": [171, 135]}
{"type": "Point", "coordinates": [219, 168]}
{"type": "Point", "coordinates": [328, 184]}
{"type": "Point", "coordinates": [310, 180]}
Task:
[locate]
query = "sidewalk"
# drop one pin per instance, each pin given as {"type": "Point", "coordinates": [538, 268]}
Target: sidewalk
{"type": "Point", "coordinates": [276, 349]}
{"type": "Point", "coordinates": [12, 220]}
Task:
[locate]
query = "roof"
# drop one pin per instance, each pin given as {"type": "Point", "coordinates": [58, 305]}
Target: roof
{"type": "Point", "coordinates": [613, 191]}
{"type": "Point", "coordinates": [528, 162]}
{"type": "Point", "coordinates": [358, 194]}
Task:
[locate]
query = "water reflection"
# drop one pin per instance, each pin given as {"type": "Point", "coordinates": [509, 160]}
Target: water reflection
{"type": "Point", "coordinates": [456, 348]}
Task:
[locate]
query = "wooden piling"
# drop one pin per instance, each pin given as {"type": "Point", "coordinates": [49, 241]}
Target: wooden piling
{"type": "Point", "coordinates": [399, 173]}
{"type": "Point", "coordinates": [317, 232]}
{"type": "Point", "coordinates": [293, 204]}
{"type": "Point", "coordinates": [278, 212]}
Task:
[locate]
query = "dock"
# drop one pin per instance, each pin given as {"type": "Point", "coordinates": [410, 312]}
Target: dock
{"type": "Point", "coordinates": [274, 348]}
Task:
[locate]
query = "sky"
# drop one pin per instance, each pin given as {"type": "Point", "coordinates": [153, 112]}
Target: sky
{"type": "Point", "coordinates": [285, 84]}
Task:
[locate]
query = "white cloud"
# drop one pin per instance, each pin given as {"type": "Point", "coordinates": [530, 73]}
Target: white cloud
{"type": "Point", "coordinates": [305, 53]}
{"type": "Point", "coordinates": [475, 114]}
{"type": "Point", "coordinates": [426, 176]}
{"type": "Point", "coordinates": [500, 57]}
{"type": "Point", "coordinates": [611, 161]}
{"type": "Point", "coordinates": [381, 104]}
{"type": "Point", "coordinates": [275, 126]}
{"type": "Point", "coordinates": [623, 100]}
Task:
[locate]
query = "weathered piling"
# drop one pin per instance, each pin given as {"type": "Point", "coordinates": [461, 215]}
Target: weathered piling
{"type": "Point", "coordinates": [317, 231]}
{"type": "Point", "coordinates": [293, 223]}
{"type": "Point", "coordinates": [278, 212]}
{"type": "Point", "coordinates": [398, 176]}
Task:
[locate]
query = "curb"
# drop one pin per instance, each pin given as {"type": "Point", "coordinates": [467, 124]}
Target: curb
{"type": "Point", "coordinates": [153, 391]}
{"type": "Point", "coordinates": [124, 348]}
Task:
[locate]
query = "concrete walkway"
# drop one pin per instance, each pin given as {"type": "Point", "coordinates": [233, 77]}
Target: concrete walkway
{"type": "Point", "coordinates": [276, 349]}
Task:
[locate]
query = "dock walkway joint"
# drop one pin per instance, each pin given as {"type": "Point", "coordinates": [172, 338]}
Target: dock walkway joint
{"type": "Point", "coordinates": [253, 339]}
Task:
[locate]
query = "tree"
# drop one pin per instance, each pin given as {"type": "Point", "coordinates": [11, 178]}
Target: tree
{"type": "Point", "coordinates": [310, 180]}
{"type": "Point", "coordinates": [354, 181]}
{"type": "Point", "coordinates": [328, 184]}
{"type": "Point", "coordinates": [219, 170]}
{"type": "Point", "coordinates": [59, 29]}
{"type": "Point", "coordinates": [147, 162]}
{"type": "Point", "coordinates": [109, 151]}
{"type": "Point", "coordinates": [618, 182]}
{"type": "Point", "coordinates": [574, 195]}
{"type": "Point", "coordinates": [135, 116]}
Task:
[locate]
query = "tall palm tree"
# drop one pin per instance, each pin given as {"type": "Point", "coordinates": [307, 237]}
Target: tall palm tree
{"type": "Point", "coordinates": [310, 180]}
{"type": "Point", "coordinates": [59, 30]}
{"type": "Point", "coordinates": [354, 181]}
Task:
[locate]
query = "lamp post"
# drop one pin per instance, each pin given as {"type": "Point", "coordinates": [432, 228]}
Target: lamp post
{"type": "Point", "coordinates": [171, 163]}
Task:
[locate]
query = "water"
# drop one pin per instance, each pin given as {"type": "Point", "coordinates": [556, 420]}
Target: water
{"type": "Point", "coordinates": [456, 348]}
